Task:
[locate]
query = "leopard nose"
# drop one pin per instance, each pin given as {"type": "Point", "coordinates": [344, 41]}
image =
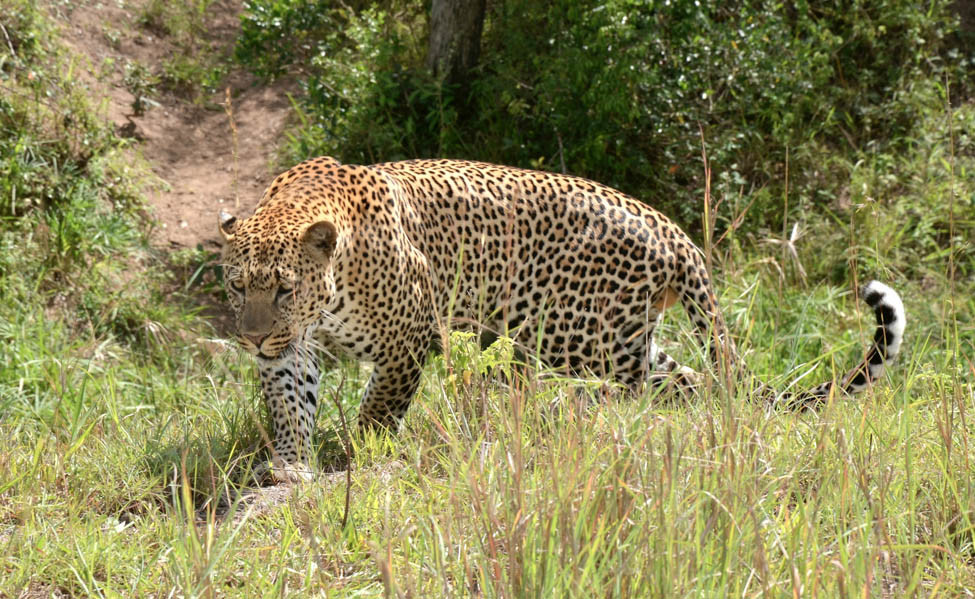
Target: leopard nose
{"type": "Point", "coordinates": [255, 339]}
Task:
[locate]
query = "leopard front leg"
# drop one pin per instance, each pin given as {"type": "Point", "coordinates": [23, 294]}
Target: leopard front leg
{"type": "Point", "coordinates": [390, 391]}
{"type": "Point", "coordinates": [290, 385]}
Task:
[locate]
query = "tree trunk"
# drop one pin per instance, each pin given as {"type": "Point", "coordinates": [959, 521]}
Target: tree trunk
{"type": "Point", "coordinates": [455, 38]}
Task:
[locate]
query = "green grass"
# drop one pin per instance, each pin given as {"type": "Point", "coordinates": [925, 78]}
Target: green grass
{"type": "Point", "coordinates": [120, 466]}
{"type": "Point", "coordinates": [117, 454]}
{"type": "Point", "coordinates": [126, 429]}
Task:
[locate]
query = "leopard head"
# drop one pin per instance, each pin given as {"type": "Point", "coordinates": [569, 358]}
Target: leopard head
{"type": "Point", "coordinates": [278, 274]}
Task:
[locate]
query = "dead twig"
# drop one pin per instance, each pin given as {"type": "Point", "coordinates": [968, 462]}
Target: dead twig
{"type": "Point", "coordinates": [558, 136]}
{"type": "Point", "coordinates": [790, 246]}
{"type": "Point", "coordinates": [736, 222]}
{"type": "Point", "coordinates": [9, 43]}
{"type": "Point", "coordinates": [347, 446]}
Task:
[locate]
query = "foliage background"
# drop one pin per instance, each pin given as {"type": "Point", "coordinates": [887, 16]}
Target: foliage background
{"type": "Point", "coordinates": [839, 139]}
{"type": "Point", "coordinates": [787, 97]}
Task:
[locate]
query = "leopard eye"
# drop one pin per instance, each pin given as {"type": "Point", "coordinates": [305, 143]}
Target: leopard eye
{"type": "Point", "coordinates": [284, 292]}
{"type": "Point", "coordinates": [237, 287]}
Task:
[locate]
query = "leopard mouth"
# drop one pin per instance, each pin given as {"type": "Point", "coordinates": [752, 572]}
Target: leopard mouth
{"type": "Point", "coordinates": [261, 351]}
{"type": "Point", "coordinates": [274, 351]}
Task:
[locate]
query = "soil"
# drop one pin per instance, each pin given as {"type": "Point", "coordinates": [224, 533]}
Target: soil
{"type": "Point", "coordinates": [188, 142]}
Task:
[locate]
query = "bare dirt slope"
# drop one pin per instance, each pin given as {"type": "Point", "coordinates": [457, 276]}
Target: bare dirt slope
{"type": "Point", "coordinates": [189, 144]}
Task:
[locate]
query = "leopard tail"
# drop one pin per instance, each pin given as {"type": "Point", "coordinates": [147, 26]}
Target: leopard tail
{"type": "Point", "coordinates": [891, 319]}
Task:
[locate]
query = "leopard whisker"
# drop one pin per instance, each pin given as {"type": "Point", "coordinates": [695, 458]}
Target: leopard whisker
{"type": "Point", "coordinates": [309, 341]}
{"type": "Point", "coordinates": [331, 318]}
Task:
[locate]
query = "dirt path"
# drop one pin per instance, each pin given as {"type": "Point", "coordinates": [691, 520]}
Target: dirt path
{"type": "Point", "coordinates": [188, 146]}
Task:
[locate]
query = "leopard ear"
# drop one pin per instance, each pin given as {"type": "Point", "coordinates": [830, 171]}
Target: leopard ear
{"type": "Point", "coordinates": [228, 225]}
{"type": "Point", "coordinates": [319, 239]}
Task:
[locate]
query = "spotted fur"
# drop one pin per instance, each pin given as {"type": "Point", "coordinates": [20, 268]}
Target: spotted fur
{"type": "Point", "coordinates": [373, 262]}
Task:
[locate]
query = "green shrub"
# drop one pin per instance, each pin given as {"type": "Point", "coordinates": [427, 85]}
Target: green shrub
{"type": "Point", "coordinates": [622, 91]}
{"type": "Point", "coordinates": [276, 34]}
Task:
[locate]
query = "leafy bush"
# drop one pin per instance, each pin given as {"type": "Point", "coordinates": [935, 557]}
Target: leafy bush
{"type": "Point", "coordinates": [621, 91]}
{"type": "Point", "coordinates": [276, 34]}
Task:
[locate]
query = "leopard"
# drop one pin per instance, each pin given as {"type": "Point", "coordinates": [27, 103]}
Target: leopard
{"type": "Point", "coordinates": [375, 262]}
